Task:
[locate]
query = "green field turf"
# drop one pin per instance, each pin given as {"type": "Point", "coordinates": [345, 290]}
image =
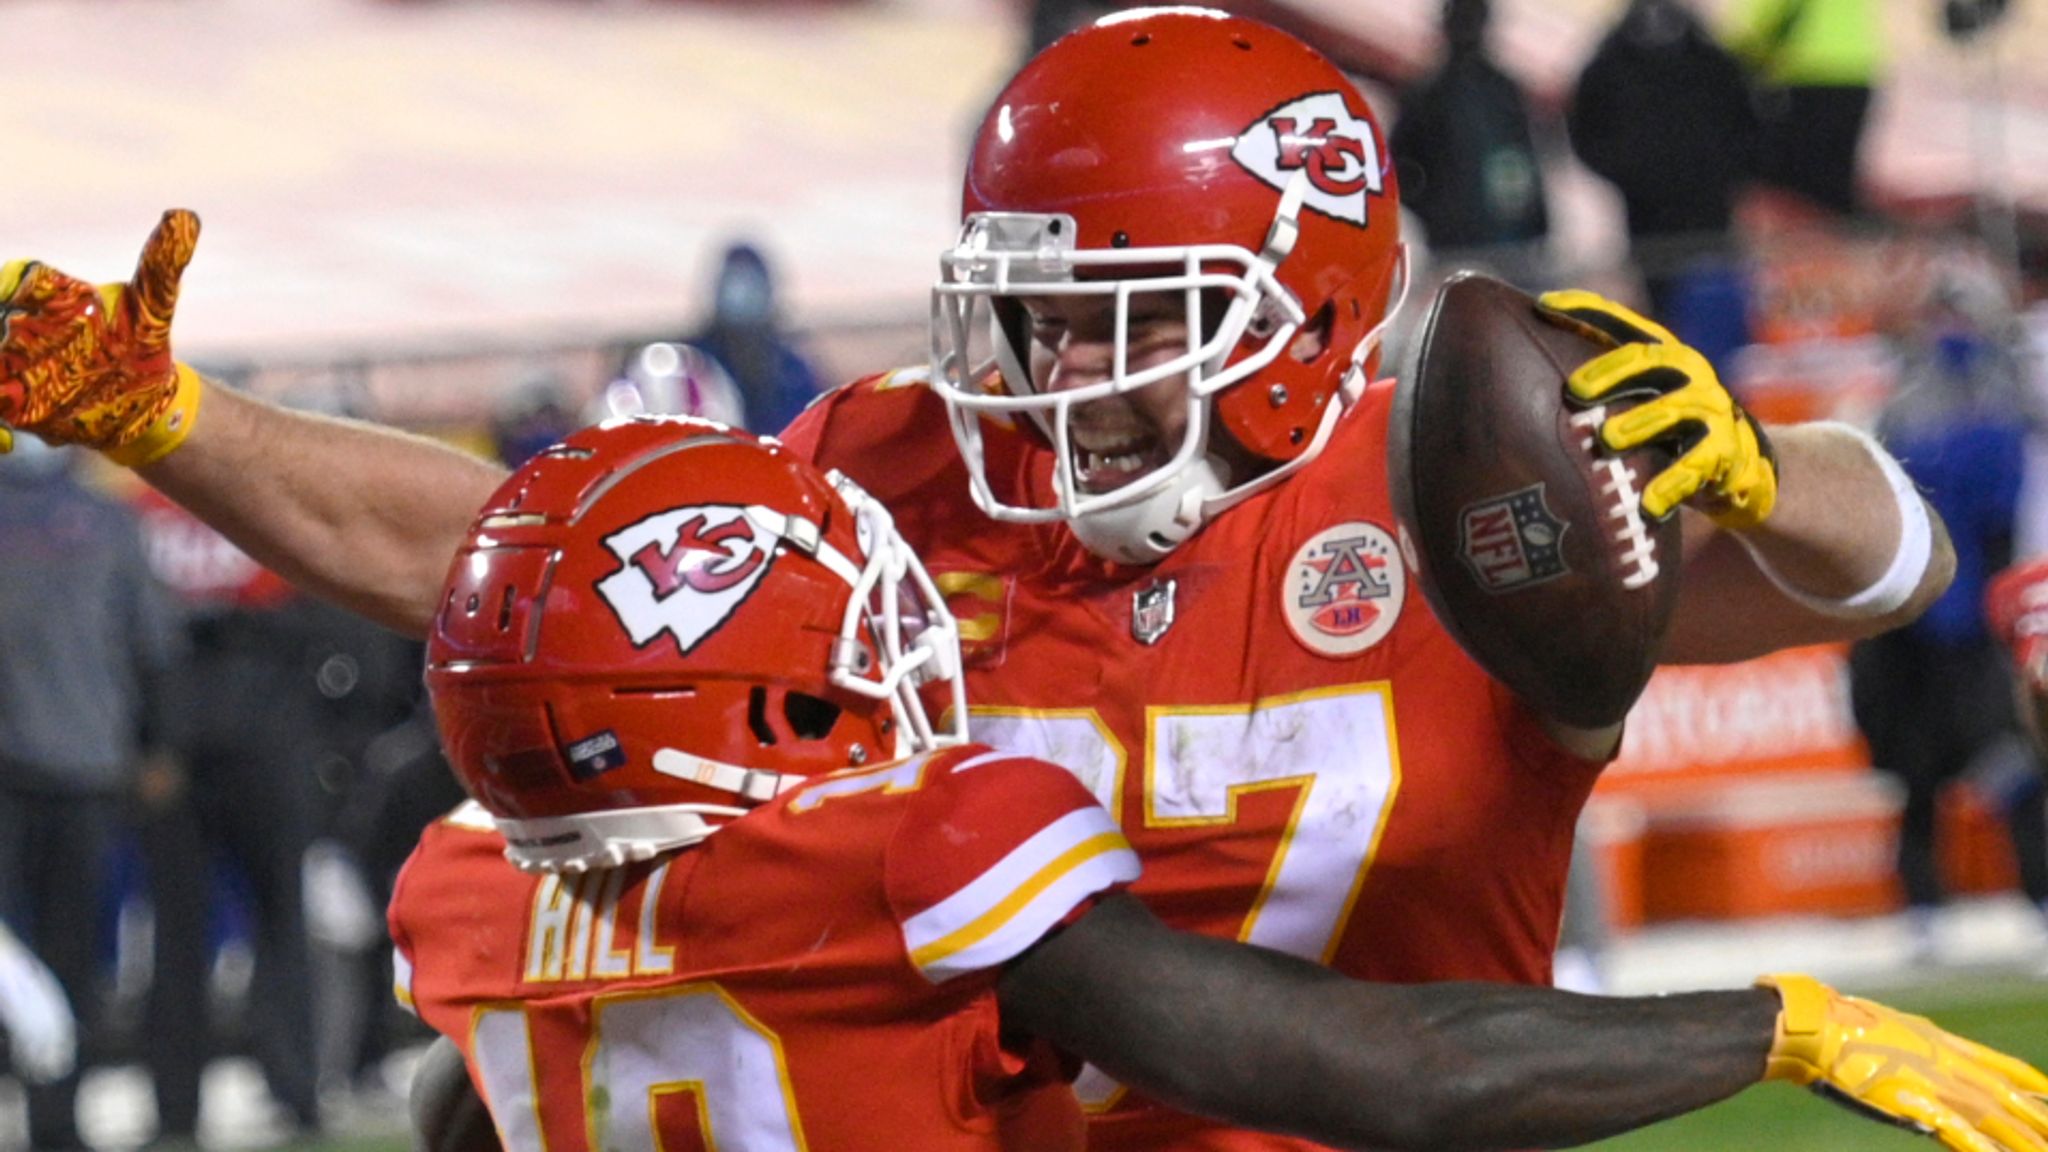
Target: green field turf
{"type": "Point", "coordinates": [2005, 1013]}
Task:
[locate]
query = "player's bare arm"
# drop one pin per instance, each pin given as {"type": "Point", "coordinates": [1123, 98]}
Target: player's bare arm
{"type": "Point", "coordinates": [1798, 535]}
{"type": "Point", "coordinates": [365, 515]}
{"type": "Point", "coordinates": [1838, 531]}
{"type": "Point", "coordinates": [1272, 1041]}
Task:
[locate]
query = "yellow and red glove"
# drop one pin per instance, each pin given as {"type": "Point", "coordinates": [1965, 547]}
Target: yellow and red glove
{"type": "Point", "coordinates": [90, 365]}
{"type": "Point", "coordinates": [1904, 1070]}
{"type": "Point", "coordinates": [1722, 450]}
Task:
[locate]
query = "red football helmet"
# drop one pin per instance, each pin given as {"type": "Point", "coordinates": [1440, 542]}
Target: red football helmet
{"type": "Point", "coordinates": [660, 622]}
{"type": "Point", "coordinates": [1182, 150]}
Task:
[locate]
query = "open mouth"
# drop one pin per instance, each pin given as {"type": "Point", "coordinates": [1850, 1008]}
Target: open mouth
{"type": "Point", "coordinates": [1104, 463]}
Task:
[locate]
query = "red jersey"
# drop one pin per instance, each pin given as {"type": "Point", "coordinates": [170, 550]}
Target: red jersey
{"type": "Point", "coordinates": [819, 973]}
{"type": "Point", "coordinates": [1296, 748]}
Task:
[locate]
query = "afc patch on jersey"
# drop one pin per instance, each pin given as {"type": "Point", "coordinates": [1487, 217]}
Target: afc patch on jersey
{"type": "Point", "coordinates": [1316, 135]}
{"type": "Point", "coordinates": [685, 571]}
{"type": "Point", "coordinates": [1344, 589]}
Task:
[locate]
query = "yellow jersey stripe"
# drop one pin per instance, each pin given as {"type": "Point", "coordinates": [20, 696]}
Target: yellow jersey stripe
{"type": "Point", "coordinates": [997, 916]}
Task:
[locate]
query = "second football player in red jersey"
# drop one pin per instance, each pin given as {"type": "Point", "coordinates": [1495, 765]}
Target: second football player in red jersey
{"type": "Point", "coordinates": [661, 639]}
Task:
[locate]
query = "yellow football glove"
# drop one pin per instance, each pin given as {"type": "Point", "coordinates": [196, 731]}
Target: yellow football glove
{"type": "Point", "coordinates": [1722, 449]}
{"type": "Point", "coordinates": [93, 366]}
{"type": "Point", "coordinates": [1904, 1070]}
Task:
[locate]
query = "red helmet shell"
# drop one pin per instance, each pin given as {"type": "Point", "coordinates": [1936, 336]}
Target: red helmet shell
{"type": "Point", "coordinates": [1182, 126]}
{"type": "Point", "coordinates": [614, 599]}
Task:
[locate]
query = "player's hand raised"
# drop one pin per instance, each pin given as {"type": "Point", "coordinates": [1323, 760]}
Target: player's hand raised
{"type": "Point", "coordinates": [1723, 456]}
{"type": "Point", "coordinates": [1904, 1070]}
{"type": "Point", "coordinates": [90, 365]}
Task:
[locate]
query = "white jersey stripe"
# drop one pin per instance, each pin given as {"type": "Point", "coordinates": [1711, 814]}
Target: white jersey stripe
{"type": "Point", "coordinates": [1017, 901]}
{"type": "Point", "coordinates": [401, 980]}
{"type": "Point", "coordinates": [1010, 937]}
{"type": "Point", "coordinates": [991, 757]}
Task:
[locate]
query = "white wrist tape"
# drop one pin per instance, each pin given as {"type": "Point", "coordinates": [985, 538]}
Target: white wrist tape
{"type": "Point", "coordinates": [1915, 550]}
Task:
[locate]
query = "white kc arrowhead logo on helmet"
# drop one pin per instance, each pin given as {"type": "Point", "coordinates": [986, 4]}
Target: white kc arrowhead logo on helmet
{"type": "Point", "coordinates": [685, 571]}
{"type": "Point", "coordinates": [1318, 135]}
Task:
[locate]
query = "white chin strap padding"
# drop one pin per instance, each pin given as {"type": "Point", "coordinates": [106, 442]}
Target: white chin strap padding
{"type": "Point", "coordinates": [592, 840]}
{"type": "Point", "coordinates": [1147, 531]}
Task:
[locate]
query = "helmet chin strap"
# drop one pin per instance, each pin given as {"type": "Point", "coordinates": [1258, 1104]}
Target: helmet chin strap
{"type": "Point", "coordinates": [1147, 531]}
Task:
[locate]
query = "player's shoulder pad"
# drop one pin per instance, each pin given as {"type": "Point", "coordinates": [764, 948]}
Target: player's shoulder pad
{"type": "Point", "coordinates": [470, 816]}
{"type": "Point", "coordinates": [994, 852]}
{"type": "Point", "coordinates": [849, 410]}
{"type": "Point", "coordinates": [889, 432]}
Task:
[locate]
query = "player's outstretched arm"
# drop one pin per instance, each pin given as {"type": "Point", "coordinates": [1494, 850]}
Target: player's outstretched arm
{"type": "Point", "coordinates": [367, 516]}
{"type": "Point", "coordinates": [447, 1113]}
{"type": "Point", "coordinates": [1794, 535]}
{"type": "Point", "coordinates": [1851, 551]}
{"type": "Point", "coordinates": [1271, 1041]}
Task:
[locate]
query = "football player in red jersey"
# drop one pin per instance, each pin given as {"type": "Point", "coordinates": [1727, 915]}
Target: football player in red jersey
{"type": "Point", "coordinates": [1146, 467]}
{"type": "Point", "coordinates": [724, 882]}
{"type": "Point", "coordinates": [2016, 603]}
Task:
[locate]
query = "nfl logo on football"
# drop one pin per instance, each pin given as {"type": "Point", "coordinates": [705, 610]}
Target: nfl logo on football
{"type": "Point", "coordinates": [1512, 541]}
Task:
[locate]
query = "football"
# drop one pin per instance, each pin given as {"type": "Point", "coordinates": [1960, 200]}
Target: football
{"type": "Point", "coordinates": [1533, 548]}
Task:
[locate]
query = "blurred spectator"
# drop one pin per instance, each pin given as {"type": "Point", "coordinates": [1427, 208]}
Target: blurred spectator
{"type": "Point", "coordinates": [89, 642]}
{"type": "Point", "coordinates": [1467, 159]}
{"type": "Point", "coordinates": [1932, 698]}
{"type": "Point", "coordinates": [279, 695]}
{"type": "Point", "coordinates": [745, 336]}
{"type": "Point", "coordinates": [665, 379]}
{"type": "Point", "coordinates": [1965, 20]}
{"type": "Point", "coordinates": [530, 416]}
{"type": "Point", "coordinates": [1815, 63]}
{"type": "Point", "coordinates": [1663, 112]}
{"type": "Point", "coordinates": [42, 1034]}
{"type": "Point", "coordinates": [404, 785]}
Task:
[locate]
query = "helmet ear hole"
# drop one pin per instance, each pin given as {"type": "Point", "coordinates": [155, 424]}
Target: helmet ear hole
{"type": "Point", "coordinates": [799, 715]}
{"type": "Point", "coordinates": [810, 717]}
{"type": "Point", "coordinates": [1313, 340]}
{"type": "Point", "coordinates": [757, 717]}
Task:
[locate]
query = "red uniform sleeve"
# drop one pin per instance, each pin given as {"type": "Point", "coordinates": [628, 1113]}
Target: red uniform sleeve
{"type": "Point", "coordinates": [432, 891]}
{"type": "Point", "coordinates": [994, 852]}
{"type": "Point", "coordinates": [2016, 602]}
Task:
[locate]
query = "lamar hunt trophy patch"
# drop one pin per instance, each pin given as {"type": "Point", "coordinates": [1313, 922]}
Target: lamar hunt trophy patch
{"type": "Point", "coordinates": [1344, 589]}
{"type": "Point", "coordinates": [1512, 541]}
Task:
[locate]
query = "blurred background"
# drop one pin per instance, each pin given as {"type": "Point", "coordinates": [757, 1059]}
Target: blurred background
{"type": "Point", "coordinates": [492, 221]}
